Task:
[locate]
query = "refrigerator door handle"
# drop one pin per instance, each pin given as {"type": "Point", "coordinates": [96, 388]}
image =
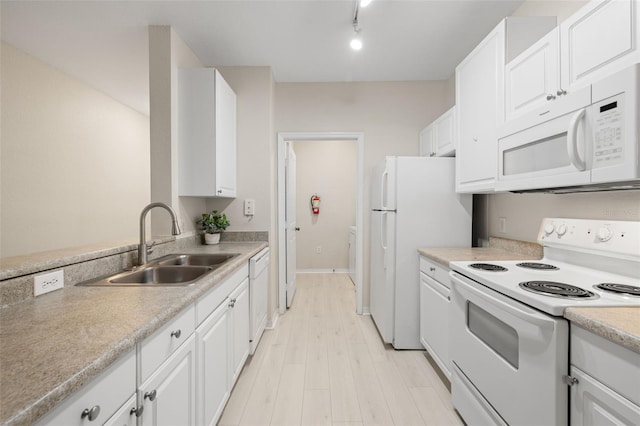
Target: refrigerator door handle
{"type": "Point", "coordinates": [383, 233]}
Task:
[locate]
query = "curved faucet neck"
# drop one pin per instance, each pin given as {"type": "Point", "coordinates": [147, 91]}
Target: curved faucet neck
{"type": "Point", "coordinates": [175, 230]}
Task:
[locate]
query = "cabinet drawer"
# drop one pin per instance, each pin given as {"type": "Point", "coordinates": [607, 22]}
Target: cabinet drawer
{"type": "Point", "coordinates": [156, 348]}
{"type": "Point", "coordinates": [210, 301]}
{"type": "Point", "coordinates": [108, 391]}
{"type": "Point", "coordinates": [610, 363]}
{"type": "Point", "coordinates": [435, 270]}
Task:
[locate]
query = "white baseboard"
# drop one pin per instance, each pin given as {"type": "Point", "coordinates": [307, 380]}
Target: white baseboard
{"type": "Point", "coordinates": [322, 271]}
{"type": "Point", "coordinates": [271, 323]}
{"type": "Point", "coordinates": [366, 310]}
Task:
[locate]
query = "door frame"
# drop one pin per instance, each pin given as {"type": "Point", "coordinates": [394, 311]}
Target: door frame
{"type": "Point", "coordinates": [284, 137]}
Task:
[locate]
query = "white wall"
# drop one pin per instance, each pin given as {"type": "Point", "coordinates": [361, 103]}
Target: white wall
{"type": "Point", "coordinates": [326, 168]}
{"type": "Point", "coordinates": [75, 162]}
{"type": "Point", "coordinates": [390, 114]}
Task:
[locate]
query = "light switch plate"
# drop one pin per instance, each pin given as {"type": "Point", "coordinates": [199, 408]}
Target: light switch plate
{"type": "Point", "coordinates": [45, 283]}
{"type": "Point", "coordinates": [249, 207]}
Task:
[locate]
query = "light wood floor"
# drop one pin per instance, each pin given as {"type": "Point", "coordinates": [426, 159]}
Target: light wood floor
{"type": "Point", "coordinates": [325, 365]}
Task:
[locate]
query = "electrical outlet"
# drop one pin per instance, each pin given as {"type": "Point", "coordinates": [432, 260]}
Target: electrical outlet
{"type": "Point", "coordinates": [502, 223]}
{"type": "Point", "coordinates": [48, 282]}
{"type": "Point", "coordinates": [249, 207]}
{"type": "Point", "coordinates": [319, 249]}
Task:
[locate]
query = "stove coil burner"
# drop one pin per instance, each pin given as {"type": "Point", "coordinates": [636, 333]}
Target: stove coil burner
{"type": "Point", "coordinates": [488, 267]}
{"type": "Point", "coordinates": [555, 289]}
{"type": "Point", "coordinates": [625, 289]}
{"type": "Point", "coordinates": [538, 266]}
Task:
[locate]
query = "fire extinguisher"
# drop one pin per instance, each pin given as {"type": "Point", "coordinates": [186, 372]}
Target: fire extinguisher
{"type": "Point", "coordinates": [315, 204]}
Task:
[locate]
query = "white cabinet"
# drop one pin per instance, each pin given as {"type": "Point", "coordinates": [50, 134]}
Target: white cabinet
{"type": "Point", "coordinates": [100, 399]}
{"type": "Point", "coordinates": [206, 134]}
{"type": "Point", "coordinates": [605, 375]}
{"type": "Point", "coordinates": [240, 329]}
{"type": "Point", "coordinates": [603, 37]}
{"type": "Point", "coordinates": [213, 386]}
{"type": "Point", "coordinates": [438, 138]}
{"type": "Point", "coordinates": [434, 312]}
{"type": "Point", "coordinates": [426, 142]}
{"type": "Point", "coordinates": [480, 99]}
{"type": "Point", "coordinates": [600, 39]}
{"type": "Point", "coordinates": [533, 78]}
{"type": "Point", "coordinates": [126, 415]}
{"type": "Point", "coordinates": [258, 295]}
{"type": "Point", "coordinates": [169, 395]}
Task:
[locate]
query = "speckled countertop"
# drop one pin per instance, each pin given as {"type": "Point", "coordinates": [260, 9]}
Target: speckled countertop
{"type": "Point", "coordinates": [451, 254]}
{"type": "Point", "coordinates": [620, 325]}
{"type": "Point", "coordinates": [55, 343]}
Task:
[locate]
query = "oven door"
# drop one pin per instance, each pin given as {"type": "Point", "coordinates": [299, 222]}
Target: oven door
{"type": "Point", "coordinates": [513, 356]}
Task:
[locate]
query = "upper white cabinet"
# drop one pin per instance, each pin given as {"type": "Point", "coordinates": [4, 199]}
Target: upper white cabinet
{"type": "Point", "coordinates": [438, 138]}
{"type": "Point", "coordinates": [600, 39]}
{"type": "Point", "coordinates": [444, 135]}
{"type": "Point", "coordinates": [480, 98]}
{"type": "Point", "coordinates": [207, 134]}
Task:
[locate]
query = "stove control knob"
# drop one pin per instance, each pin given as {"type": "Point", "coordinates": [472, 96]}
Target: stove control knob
{"type": "Point", "coordinates": [549, 228]}
{"type": "Point", "coordinates": [605, 234]}
{"type": "Point", "coordinates": [562, 229]}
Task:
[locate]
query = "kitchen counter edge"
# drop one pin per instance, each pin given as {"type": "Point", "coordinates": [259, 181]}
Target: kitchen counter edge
{"type": "Point", "coordinates": [620, 325]}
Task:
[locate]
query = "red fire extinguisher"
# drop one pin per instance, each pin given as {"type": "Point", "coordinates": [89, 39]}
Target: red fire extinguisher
{"type": "Point", "coordinates": [315, 204]}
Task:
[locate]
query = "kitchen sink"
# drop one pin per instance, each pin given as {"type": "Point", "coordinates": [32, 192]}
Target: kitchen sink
{"type": "Point", "coordinates": [214, 259]}
{"type": "Point", "coordinates": [170, 270]}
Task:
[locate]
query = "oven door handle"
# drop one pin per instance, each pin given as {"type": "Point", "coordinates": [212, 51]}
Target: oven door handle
{"type": "Point", "coordinates": [531, 318]}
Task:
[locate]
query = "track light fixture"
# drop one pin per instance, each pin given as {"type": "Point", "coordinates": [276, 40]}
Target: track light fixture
{"type": "Point", "coordinates": [356, 41]}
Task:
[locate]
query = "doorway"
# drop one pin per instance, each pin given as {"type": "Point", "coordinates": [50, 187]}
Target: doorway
{"type": "Point", "coordinates": [283, 140]}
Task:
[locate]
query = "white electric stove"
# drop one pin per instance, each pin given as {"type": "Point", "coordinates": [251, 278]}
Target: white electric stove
{"type": "Point", "coordinates": [510, 342]}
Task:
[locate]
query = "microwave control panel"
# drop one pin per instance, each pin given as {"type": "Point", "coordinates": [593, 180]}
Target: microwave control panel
{"type": "Point", "coordinates": [608, 128]}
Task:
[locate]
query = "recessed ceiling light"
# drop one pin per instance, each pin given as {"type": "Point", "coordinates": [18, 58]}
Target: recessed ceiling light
{"type": "Point", "coordinates": [356, 43]}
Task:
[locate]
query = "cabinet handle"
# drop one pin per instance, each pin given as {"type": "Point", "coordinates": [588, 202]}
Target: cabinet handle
{"type": "Point", "coordinates": [92, 413]}
{"type": "Point", "coordinates": [432, 269]}
{"type": "Point", "coordinates": [570, 381]}
{"type": "Point", "coordinates": [151, 395]}
{"type": "Point", "coordinates": [137, 411]}
{"type": "Point", "coordinates": [232, 303]}
{"type": "Point", "coordinates": [561, 92]}
{"type": "Point", "coordinates": [219, 191]}
{"type": "Point", "coordinates": [551, 97]}
{"type": "Point", "coordinates": [176, 333]}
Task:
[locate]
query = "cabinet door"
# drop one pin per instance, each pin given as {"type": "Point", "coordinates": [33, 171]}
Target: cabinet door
{"type": "Point", "coordinates": [601, 38]}
{"type": "Point", "coordinates": [126, 415]}
{"type": "Point", "coordinates": [533, 78]}
{"type": "Point", "coordinates": [169, 394]}
{"type": "Point", "coordinates": [426, 142]}
{"type": "Point", "coordinates": [593, 403]}
{"type": "Point", "coordinates": [444, 142]}
{"type": "Point", "coordinates": [479, 103]}
{"type": "Point", "coordinates": [240, 321]}
{"type": "Point", "coordinates": [434, 321]}
{"type": "Point", "coordinates": [225, 138]}
{"type": "Point", "coordinates": [212, 374]}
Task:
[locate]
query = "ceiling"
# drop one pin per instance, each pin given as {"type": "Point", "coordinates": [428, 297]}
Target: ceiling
{"type": "Point", "coordinates": [105, 43]}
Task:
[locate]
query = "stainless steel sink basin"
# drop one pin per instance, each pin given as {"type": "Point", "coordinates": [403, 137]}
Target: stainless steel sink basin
{"type": "Point", "coordinates": [200, 259]}
{"type": "Point", "coordinates": [170, 270]}
{"type": "Point", "coordinates": [162, 275]}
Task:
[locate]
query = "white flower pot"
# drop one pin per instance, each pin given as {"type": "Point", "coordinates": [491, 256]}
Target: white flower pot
{"type": "Point", "coordinates": [211, 238]}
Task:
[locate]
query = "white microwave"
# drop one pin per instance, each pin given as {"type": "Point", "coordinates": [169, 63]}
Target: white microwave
{"type": "Point", "coordinates": [587, 140]}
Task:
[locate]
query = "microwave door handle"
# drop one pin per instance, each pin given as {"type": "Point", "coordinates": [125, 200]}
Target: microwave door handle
{"type": "Point", "coordinates": [383, 189]}
{"type": "Point", "coordinates": [572, 141]}
{"type": "Point", "coordinates": [383, 232]}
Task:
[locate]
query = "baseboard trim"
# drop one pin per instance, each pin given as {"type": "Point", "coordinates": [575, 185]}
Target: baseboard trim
{"type": "Point", "coordinates": [366, 311]}
{"type": "Point", "coordinates": [323, 271]}
{"type": "Point", "coordinates": [271, 324]}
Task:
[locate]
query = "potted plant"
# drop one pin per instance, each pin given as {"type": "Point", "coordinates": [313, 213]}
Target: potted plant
{"type": "Point", "coordinates": [213, 224]}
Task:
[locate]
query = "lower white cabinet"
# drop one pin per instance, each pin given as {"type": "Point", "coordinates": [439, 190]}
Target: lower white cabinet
{"type": "Point", "coordinates": [126, 415]}
{"type": "Point", "coordinates": [605, 378]}
{"type": "Point", "coordinates": [99, 400]}
{"type": "Point", "coordinates": [169, 395]}
{"type": "Point", "coordinates": [240, 329]}
{"type": "Point", "coordinates": [434, 312]}
{"type": "Point", "coordinates": [258, 295]}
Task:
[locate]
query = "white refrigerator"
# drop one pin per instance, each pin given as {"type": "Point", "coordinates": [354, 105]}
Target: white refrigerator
{"type": "Point", "coordinates": [413, 205]}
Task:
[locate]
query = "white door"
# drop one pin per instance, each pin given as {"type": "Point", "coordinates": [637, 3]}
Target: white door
{"type": "Point", "coordinates": [290, 221]}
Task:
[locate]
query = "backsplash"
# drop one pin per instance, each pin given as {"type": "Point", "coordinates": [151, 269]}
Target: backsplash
{"type": "Point", "coordinates": [85, 263]}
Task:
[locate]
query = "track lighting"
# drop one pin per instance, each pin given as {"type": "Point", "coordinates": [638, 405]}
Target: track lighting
{"type": "Point", "coordinates": [365, 3]}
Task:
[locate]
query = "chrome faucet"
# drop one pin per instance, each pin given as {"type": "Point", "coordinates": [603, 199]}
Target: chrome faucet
{"type": "Point", "coordinates": [175, 229]}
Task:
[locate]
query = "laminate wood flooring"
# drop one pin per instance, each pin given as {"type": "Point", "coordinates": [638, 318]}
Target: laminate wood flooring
{"type": "Point", "coordinates": [325, 365]}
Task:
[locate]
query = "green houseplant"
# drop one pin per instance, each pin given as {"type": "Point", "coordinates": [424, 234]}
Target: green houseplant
{"type": "Point", "coordinates": [213, 224]}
